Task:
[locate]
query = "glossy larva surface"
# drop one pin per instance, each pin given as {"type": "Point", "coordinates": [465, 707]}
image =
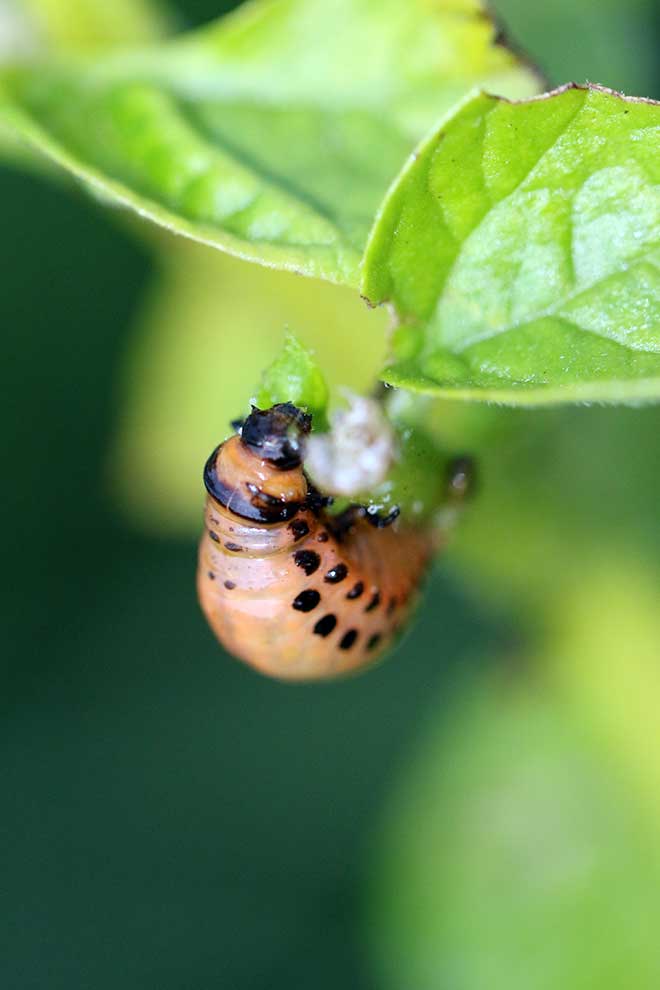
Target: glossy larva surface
{"type": "Point", "coordinates": [296, 598]}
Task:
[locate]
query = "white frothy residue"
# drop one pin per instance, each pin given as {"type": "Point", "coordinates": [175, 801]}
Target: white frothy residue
{"type": "Point", "coordinates": [357, 453]}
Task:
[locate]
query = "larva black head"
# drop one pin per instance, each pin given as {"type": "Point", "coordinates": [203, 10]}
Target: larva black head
{"type": "Point", "coordinates": [277, 434]}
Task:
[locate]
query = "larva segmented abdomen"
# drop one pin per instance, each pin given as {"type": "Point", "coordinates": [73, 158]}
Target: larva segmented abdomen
{"type": "Point", "coordinates": [295, 598]}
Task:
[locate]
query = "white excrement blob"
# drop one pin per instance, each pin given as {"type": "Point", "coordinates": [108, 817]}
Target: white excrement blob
{"type": "Point", "coordinates": [357, 453]}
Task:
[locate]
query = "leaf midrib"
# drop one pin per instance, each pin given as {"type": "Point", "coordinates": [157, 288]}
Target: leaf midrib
{"type": "Point", "coordinates": [277, 181]}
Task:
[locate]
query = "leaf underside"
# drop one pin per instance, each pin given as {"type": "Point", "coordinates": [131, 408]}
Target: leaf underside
{"type": "Point", "coordinates": [520, 251]}
{"type": "Point", "coordinates": [518, 247]}
{"type": "Point", "coordinates": [274, 133]}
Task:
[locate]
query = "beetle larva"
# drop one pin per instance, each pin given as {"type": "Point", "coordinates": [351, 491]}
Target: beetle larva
{"type": "Point", "coordinates": [292, 590]}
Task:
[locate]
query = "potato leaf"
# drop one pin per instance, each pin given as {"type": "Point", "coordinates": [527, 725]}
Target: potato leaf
{"type": "Point", "coordinates": [520, 249]}
{"type": "Point", "coordinates": [272, 134]}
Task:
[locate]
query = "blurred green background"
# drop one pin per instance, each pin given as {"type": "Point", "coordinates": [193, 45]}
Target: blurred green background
{"type": "Point", "coordinates": [482, 811]}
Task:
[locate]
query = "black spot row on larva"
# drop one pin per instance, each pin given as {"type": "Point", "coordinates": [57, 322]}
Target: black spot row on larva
{"type": "Point", "coordinates": [348, 639]}
{"type": "Point", "coordinates": [299, 528]}
{"type": "Point", "coordinates": [306, 600]}
{"type": "Point", "coordinates": [374, 603]}
{"type": "Point", "coordinates": [308, 560]}
{"type": "Point", "coordinates": [336, 574]}
{"type": "Point", "coordinates": [325, 625]}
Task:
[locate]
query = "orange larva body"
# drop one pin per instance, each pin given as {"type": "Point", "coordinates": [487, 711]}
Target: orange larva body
{"type": "Point", "coordinates": [296, 598]}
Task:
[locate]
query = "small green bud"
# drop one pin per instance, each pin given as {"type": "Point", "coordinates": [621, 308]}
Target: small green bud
{"type": "Point", "coordinates": [294, 376]}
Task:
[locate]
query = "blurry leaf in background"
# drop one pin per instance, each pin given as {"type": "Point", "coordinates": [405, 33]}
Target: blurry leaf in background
{"type": "Point", "coordinates": [554, 495]}
{"type": "Point", "coordinates": [294, 376]}
{"type": "Point", "coordinates": [274, 133]}
{"type": "Point", "coordinates": [556, 489]}
{"type": "Point", "coordinates": [81, 25]}
{"type": "Point", "coordinates": [515, 855]}
{"type": "Point", "coordinates": [603, 653]}
{"type": "Point", "coordinates": [209, 328]}
{"type": "Point", "coordinates": [604, 41]}
{"type": "Point", "coordinates": [533, 270]}
{"type": "Point", "coordinates": [30, 28]}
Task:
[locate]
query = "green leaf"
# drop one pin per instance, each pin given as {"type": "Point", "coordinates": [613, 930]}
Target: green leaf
{"type": "Point", "coordinates": [520, 249]}
{"type": "Point", "coordinates": [274, 133]}
{"type": "Point", "coordinates": [294, 376]}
